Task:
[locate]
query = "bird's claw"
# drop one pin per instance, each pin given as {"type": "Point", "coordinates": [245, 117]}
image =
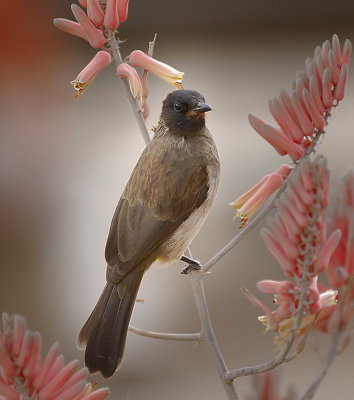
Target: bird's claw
{"type": "Point", "coordinates": [192, 265]}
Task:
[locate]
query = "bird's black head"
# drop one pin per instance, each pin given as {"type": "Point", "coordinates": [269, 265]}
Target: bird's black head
{"type": "Point", "coordinates": [184, 111]}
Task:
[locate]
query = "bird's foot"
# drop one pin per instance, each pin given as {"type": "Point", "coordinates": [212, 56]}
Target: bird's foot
{"type": "Point", "coordinates": [192, 265]}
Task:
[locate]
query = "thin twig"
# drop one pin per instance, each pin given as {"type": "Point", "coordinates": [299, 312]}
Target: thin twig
{"type": "Point", "coordinates": [133, 103]}
{"type": "Point", "coordinates": [208, 335]}
{"type": "Point", "coordinates": [330, 357]}
{"type": "Point", "coordinates": [193, 337]}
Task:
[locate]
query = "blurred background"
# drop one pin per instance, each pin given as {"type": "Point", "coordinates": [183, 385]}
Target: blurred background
{"type": "Point", "coordinates": [64, 164]}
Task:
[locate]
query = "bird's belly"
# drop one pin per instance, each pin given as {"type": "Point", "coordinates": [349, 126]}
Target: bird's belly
{"type": "Point", "coordinates": [174, 247]}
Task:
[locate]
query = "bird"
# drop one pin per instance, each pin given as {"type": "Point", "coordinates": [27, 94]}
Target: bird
{"type": "Point", "coordinates": [163, 206]}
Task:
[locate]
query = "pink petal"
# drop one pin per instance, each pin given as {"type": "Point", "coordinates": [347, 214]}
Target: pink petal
{"type": "Point", "coordinates": [334, 68]}
{"type": "Point", "coordinates": [99, 394]}
{"type": "Point", "coordinates": [111, 19]}
{"type": "Point", "coordinates": [94, 35]}
{"type": "Point", "coordinates": [47, 364]}
{"type": "Point", "coordinates": [26, 349]}
{"type": "Point", "coordinates": [257, 124]}
{"type": "Point", "coordinates": [169, 74]}
{"type": "Point", "coordinates": [317, 52]}
{"type": "Point", "coordinates": [302, 75]}
{"type": "Point", "coordinates": [19, 332]}
{"type": "Point", "coordinates": [347, 51]}
{"type": "Point", "coordinates": [319, 67]}
{"type": "Point", "coordinates": [51, 388]}
{"type": "Point", "coordinates": [340, 88]}
{"type": "Point", "coordinates": [71, 27]}
{"type": "Point", "coordinates": [126, 71]}
{"type": "Point", "coordinates": [6, 366]}
{"type": "Point", "coordinates": [327, 250]}
{"type": "Point", "coordinates": [275, 287]}
{"type": "Point", "coordinates": [326, 47]}
{"type": "Point", "coordinates": [285, 120]}
{"type": "Point", "coordinates": [83, 3]}
{"type": "Point", "coordinates": [310, 68]}
{"type": "Point", "coordinates": [55, 369]}
{"type": "Point", "coordinates": [33, 363]}
{"type": "Point", "coordinates": [71, 392]}
{"type": "Point", "coordinates": [327, 98]}
{"type": "Point", "coordinates": [336, 49]}
{"type": "Point", "coordinates": [312, 109]}
{"type": "Point", "coordinates": [305, 122]}
{"type": "Point", "coordinates": [280, 233]}
{"type": "Point", "coordinates": [284, 170]}
{"type": "Point", "coordinates": [285, 98]}
{"type": "Point", "coordinates": [288, 221]}
{"type": "Point", "coordinates": [123, 10]}
{"type": "Point", "coordinates": [241, 200]}
{"type": "Point", "coordinates": [95, 12]}
{"type": "Point", "coordinates": [316, 93]}
{"type": "Point", "coordinates": [273, 246]}
{"type": "Point", "coordinates": [277, 138]}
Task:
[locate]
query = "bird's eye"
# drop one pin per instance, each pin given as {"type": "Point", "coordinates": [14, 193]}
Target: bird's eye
{"type": "Point", "coordinates": [178, 107]}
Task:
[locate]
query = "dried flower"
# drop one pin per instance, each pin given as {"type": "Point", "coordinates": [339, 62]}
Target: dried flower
{"type": "Point", "coordinates": [101, 60]}
{"type": "Point", "coordinates": [247, 204]}
{"type": "Point", "coordinates": [302, 114]}
{"type": "Point", "coordinates": [24, 375]}
{"type": "Point", "coordinates": [124, 70]}
{"type": "Point", "coordinates": [169, 74]}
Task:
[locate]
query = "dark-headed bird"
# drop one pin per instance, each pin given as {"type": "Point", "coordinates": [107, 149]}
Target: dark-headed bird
{"type": "Point", "coordinates": [163, 206]}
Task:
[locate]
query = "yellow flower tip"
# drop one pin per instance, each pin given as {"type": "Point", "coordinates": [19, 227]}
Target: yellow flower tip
{"type": "Point", "coordinates": [178, 85]}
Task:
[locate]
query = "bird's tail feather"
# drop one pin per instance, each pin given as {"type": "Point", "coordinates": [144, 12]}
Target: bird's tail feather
{"type": "Point", "coordinates": [105, 331]}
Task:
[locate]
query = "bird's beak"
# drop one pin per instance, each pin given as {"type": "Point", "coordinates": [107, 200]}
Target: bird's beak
{"type": "Point", "coordinates": [202, 107]}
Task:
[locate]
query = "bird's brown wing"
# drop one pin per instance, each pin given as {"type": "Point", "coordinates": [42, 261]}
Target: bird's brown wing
{"type": "Point", "coordinates": [161, 193]}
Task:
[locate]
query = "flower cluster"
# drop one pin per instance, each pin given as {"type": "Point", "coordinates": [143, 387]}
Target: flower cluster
{"type": "Point", "coordinates": [340, 270]}
{"type": "Point", "coordinates": [296, 237]}
{"type": "Point", "coordinates": [303, 113]}
{"type": "Point", "coordinates": [24, 376]}
{"type": "Point", "coordinates": [99, 27]}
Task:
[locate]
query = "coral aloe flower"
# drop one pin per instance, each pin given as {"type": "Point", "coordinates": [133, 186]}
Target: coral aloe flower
{"type": "Point", "coordinates": [169, 74]}
{"type": "Point", "coordinates": [101, 60]}
{"type": "Point", "coordinates": [24, 375]}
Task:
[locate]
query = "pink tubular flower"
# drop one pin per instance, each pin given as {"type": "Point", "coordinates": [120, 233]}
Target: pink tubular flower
{"type": "Point", "coordinates": [95, 12]}
{"type": "Point", "coordinates": [71, 27]}
{"type": "Point", "coordinates": [303, 113]}
{"type": "Point", "coordinates": [123, 10]}
{"type": "Point", "coordinates": [94, 35]}
{"type": "Point", "coordinates": [24, 375]}
{"type": "Point", "coordinates": [247, 204]}
{"type": "Point", "coordinates": [126, 71]}
{"type": "Point", "coordinates": [101, 60]}
{"type": "Point", "coordinates": [169, 74]}
{"type": "Point", "coordinates": [111, 19]}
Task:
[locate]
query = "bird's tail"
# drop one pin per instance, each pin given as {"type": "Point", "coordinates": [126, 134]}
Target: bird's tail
{"type": "Point", "coordinates": [105, 332]}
